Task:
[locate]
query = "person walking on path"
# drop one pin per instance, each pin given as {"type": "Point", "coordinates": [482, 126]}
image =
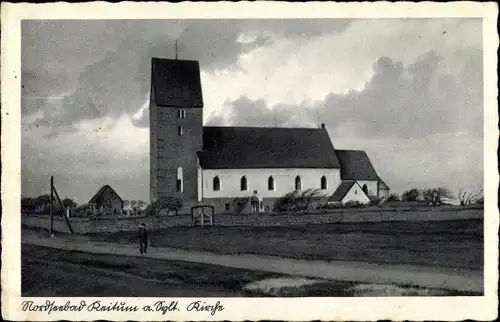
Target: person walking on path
{"type": "Point", "coordinates": [143, 239]}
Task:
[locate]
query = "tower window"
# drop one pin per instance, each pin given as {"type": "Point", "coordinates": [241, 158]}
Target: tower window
{"type": "Point", "coordinates": [270, 183]}
{"type": "Point", "coordinates": [216, 184]}
{"type": "Point", "coordinates": [180, 130]}
{"type": "Point", "coordinates": [180, 180]}
{"type": "Point", "coordinates": [323, 183]}
{"type": "Point", "coordinates": [244, 184]}
{"type": "Point", "coordinates": [298, 183]}
{"type": "Point", "coordinates": [182, 114]}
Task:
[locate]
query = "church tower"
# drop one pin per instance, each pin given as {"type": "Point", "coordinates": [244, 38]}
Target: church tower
{"type": "Point", "coordinates": [176, 129]}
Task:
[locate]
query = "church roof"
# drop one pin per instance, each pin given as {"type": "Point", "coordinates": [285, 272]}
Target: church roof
{"type": "Point", "coordinates": [261, 147]}
{"type": "Point", "coordinates": [176, 83]}
{"type": "Point", "coordinates": [382, 185]}
{"type": "Point", "coordinates": [355, 165]}
{"type": "Point", "coordinates": [342, 190]}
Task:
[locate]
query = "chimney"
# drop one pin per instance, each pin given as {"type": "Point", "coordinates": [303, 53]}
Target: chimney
{"type": "Point", "coordinates": [322, 125]}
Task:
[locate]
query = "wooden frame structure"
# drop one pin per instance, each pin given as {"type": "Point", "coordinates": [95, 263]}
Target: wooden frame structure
{"type": "Point", "coordinates": [53, 192]}
{"type": "Point", "coordinates": [202, 218]}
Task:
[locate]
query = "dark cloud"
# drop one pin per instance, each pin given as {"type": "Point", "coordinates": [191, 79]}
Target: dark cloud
{"type": "Point", "coordinates": [109, 61]}
{"type": "Point", "coordinates": [398, 101]}
{"type": "Point", "coordinates": [246, 112]}
{"type": "Point", "coordinates": [39, 88]}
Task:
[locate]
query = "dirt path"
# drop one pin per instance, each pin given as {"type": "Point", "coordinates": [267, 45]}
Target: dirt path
{"type": "Point", "coordinates": [430, 277]}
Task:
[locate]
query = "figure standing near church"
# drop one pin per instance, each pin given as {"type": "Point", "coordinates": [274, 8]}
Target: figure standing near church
{"type": "Point", "coordinates": [143, 239]}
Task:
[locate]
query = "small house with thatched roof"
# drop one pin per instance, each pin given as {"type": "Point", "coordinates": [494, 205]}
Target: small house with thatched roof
{"type": "Point", "coordinates": [106, 201]}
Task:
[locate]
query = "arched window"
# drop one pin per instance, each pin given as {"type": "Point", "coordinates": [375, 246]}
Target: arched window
{"type": "Point", "coordinates": [244, 184]}
{"type": "Point", "coordinates": [365, 188]}
{"type": "Point", "coordinates": [323, 183]}
{"type": "Point", "coordinates": [270, 183]}
{"type": "Point", "coordinates": [298, 183]}
{"type": "Point", "coordinates": [180, 183]}
{"type": "Point", "coordinates": [216, 184]}
{"type": "Point", "coordinates": [180, 130]}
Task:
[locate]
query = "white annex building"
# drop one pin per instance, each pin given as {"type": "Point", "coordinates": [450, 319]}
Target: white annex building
{"type": "Point", "coordinates": [216, 165]}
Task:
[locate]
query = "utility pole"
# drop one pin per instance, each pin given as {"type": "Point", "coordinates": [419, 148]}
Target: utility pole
{"type": "Point", "coordinates": [51, 206]}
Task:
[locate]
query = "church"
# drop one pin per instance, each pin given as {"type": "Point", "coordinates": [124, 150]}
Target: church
{"type": "Point", "coordinates": [215, 165]}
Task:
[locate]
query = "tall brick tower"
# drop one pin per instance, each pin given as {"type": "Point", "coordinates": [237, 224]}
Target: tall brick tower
{"type": "Point", "coordinates": [176, 129]}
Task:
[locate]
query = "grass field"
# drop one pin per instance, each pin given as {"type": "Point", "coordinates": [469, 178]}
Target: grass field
{"type": "Point", "coordinates": [53, 272]}
{"type": "Point", "coordinates": [48, 272]}
{"type": "Point", "coordinates": [453, 244]}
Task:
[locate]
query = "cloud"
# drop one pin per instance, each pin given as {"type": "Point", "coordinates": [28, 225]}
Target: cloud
{"type": "Point", "coordinates": [98, 152]}
{"type": "Point", "coordinates": [403, 90]}
{"type": "Point", "coordinates": [397, 101]}
{"type": "Point", "coordinates": [104, 66]}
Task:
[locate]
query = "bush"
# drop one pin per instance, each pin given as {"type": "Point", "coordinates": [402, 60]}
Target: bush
{"type": "Point", "coordinates": [411, 195]}
{"type": "Point", "coordinates": [467, 198]}
{"type": "Point", "coordinates": [82, 211]}
{"type": "Point", "coordinates": [332, 205]}
{"type": "Point", "coordinates": [375, 200]}
{"type": "Point", "coordinates": [353, 204]}
{"type": "Point", "coordinates": [393, 197]}
{"type": "Point", "coordinates": [169, 203]}
{"type": "Point", "coordinates": [239, 203]}
{"type": "Point", "coordinates": [297, 200]}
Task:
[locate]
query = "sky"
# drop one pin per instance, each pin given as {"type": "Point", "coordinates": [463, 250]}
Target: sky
{"type": "Point", "coordinates": [407, 91]}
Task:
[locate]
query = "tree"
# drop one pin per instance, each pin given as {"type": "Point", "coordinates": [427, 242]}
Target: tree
{"type": "Point", "coordinates": [393, 197]}
{"type": "Point", "coordinates": [28, 204]}
{"type": "Point", "coordinates": [436, 196]}
{"type": "Point", "coordinates": [69, 203]}
{"type": "Point", "coordinates": [133, 204]}
{"type": "Point", "coordinates": [141, 204]}
{"type": "Point", "coordinates": [169, 203]}
{"type": "Point", "coordinates": [469, 198]}
{"type": "Point", "coordinates": [41, 203]}
{"type": "Point", "coordinates": [239, 203]}
{"type": "Point", "coordinates": [411, 195]}
{"type": "Point", "coordinates": [297, 200]}
{"type": "Point", "coordinates": [42, 200]}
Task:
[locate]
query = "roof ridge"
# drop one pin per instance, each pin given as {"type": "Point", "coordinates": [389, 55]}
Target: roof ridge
{"type": "Point", "coordinates": [344, 150]}
{"type": "Point", "coordinates": [264, 127]}
{"type": "Point", "coordinates": [101, 191]}
{"type": "Point", "coordinates": [173, 59]}
{"type": "Point", "coordinates": [267, 147]}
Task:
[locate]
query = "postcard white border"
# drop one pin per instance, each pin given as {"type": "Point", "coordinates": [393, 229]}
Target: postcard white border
{"type": "Point", "coordinates": [394, 308]}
